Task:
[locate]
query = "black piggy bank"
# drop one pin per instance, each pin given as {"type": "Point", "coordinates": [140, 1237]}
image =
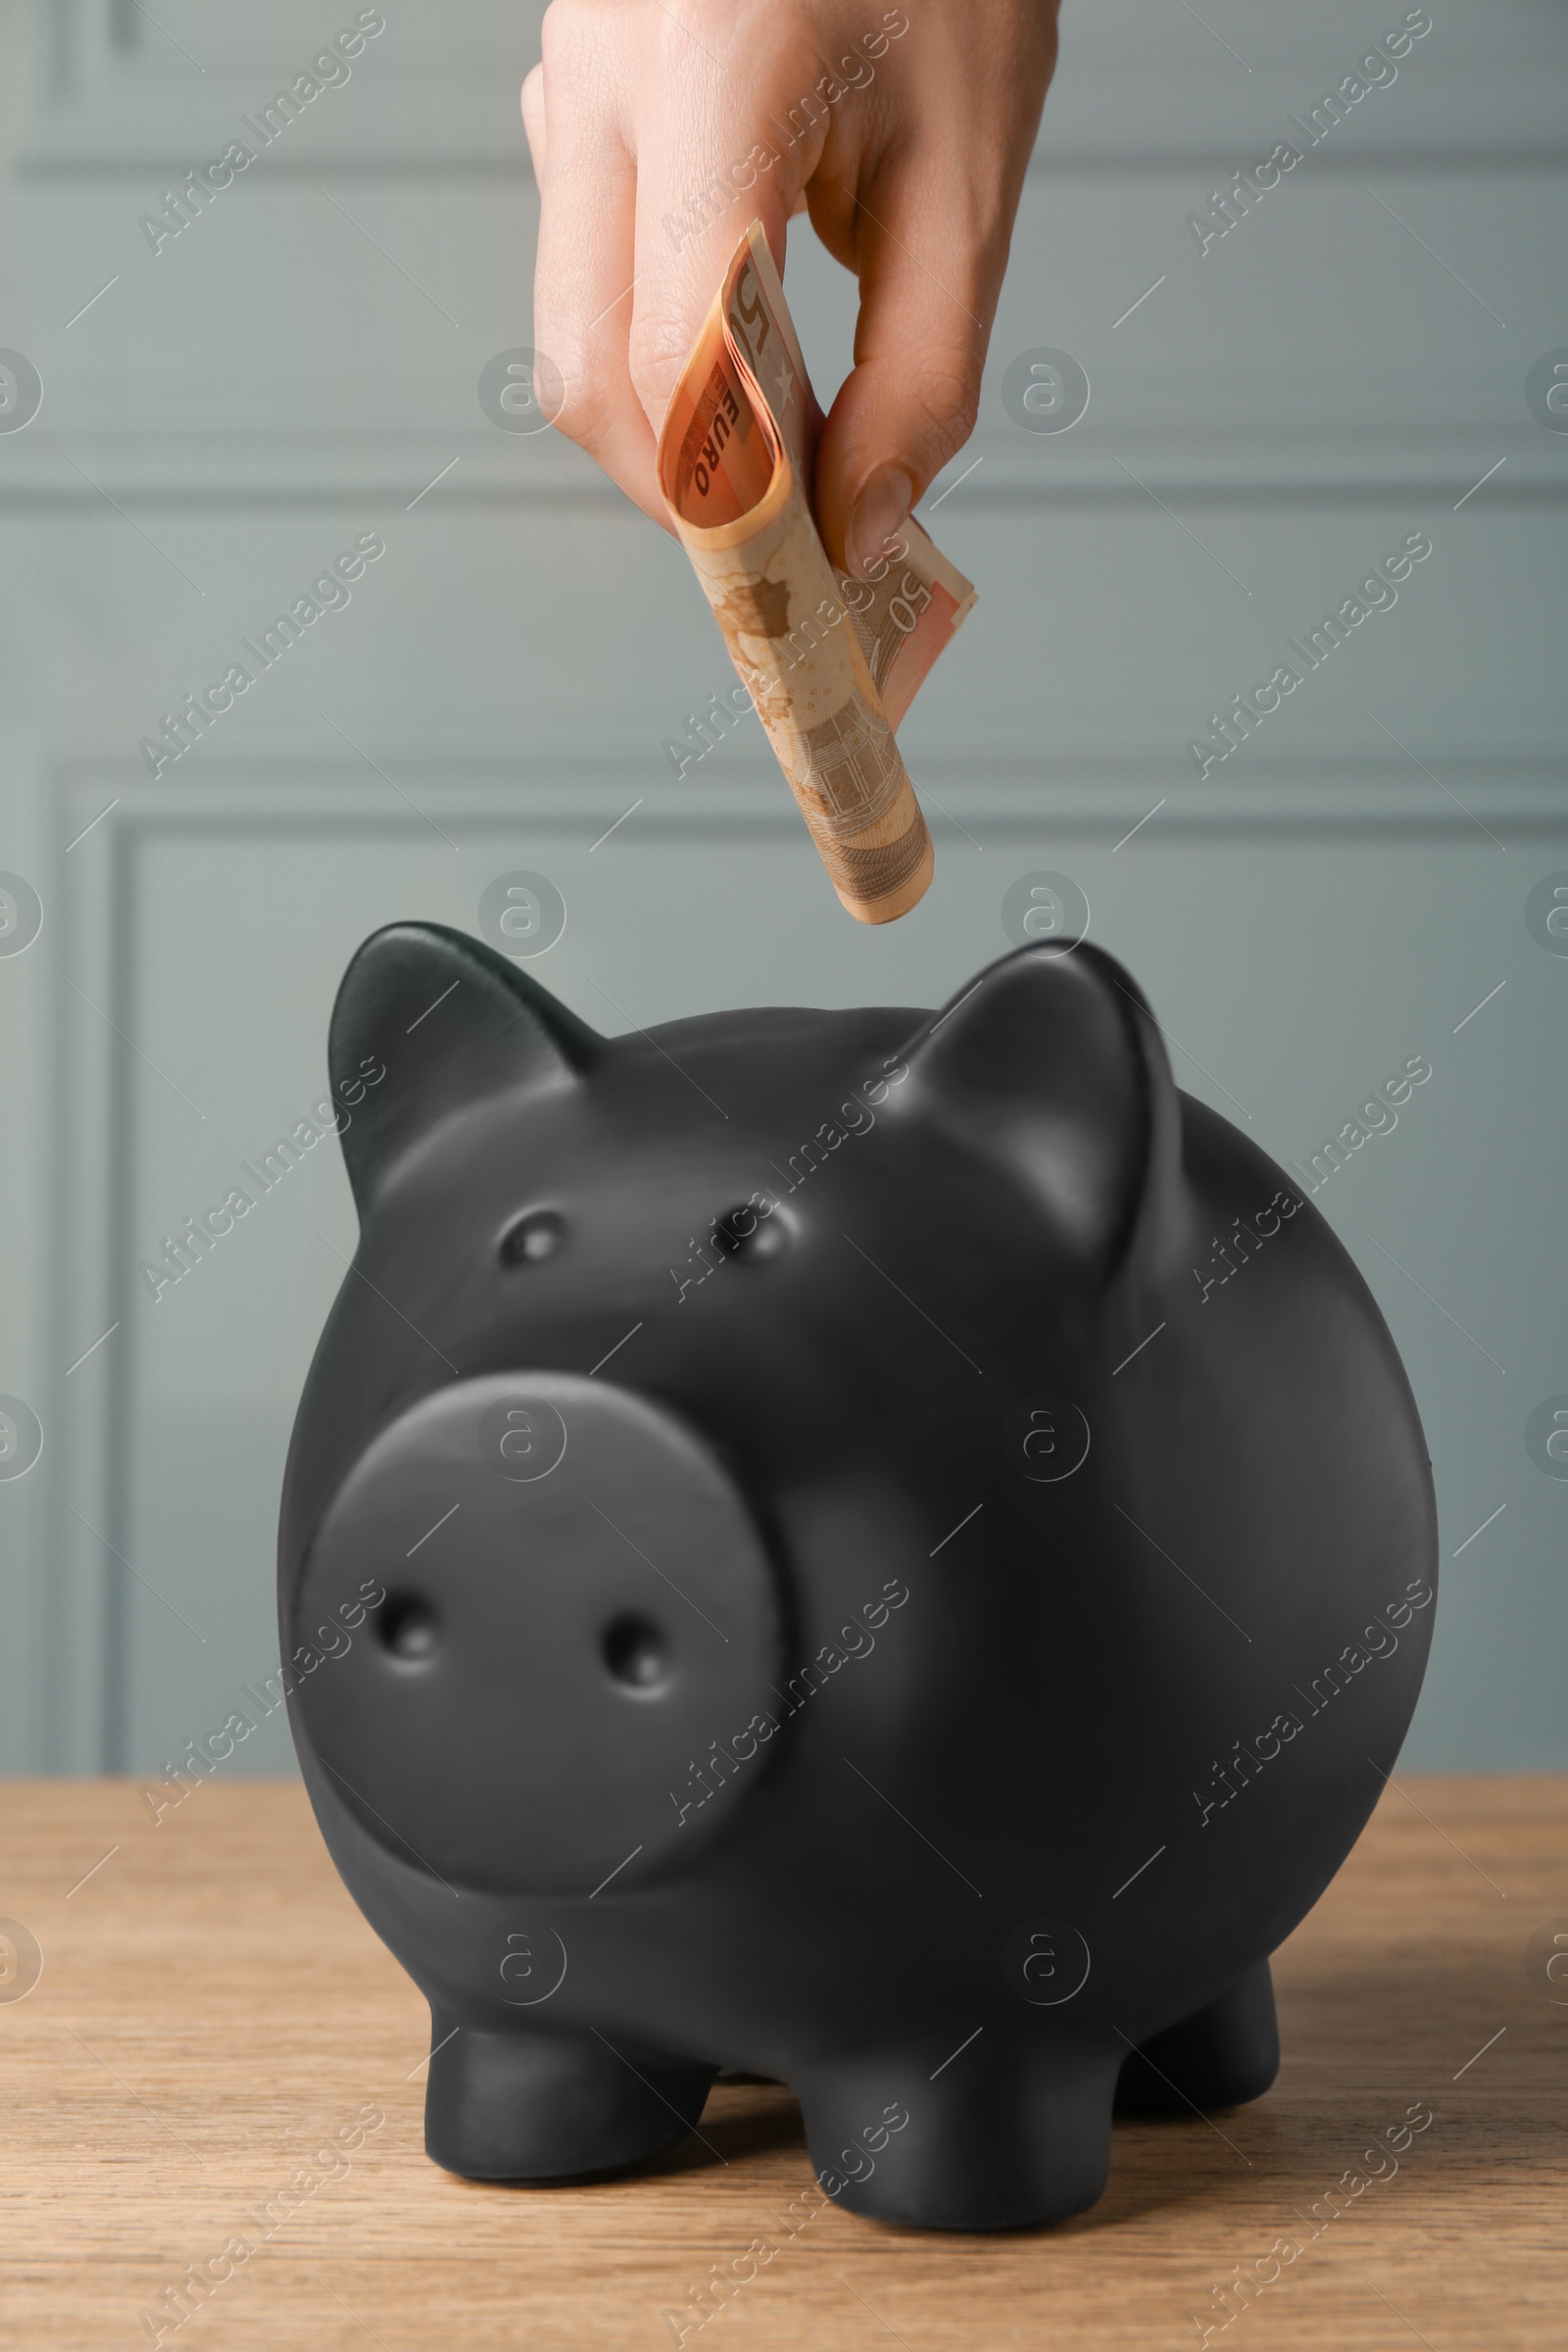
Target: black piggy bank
{"type": "Point", "coordinates": [894, 1551]}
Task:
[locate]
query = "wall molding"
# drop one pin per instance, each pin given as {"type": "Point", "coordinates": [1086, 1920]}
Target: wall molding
{"type": "Point", "coordinates": [287, 789]}
{"type": "Point", "coordinates": [1524, 492]}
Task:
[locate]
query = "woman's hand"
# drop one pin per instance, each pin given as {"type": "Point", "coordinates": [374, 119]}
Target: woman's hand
{"type": "Point", "coordinates": [660, 128]}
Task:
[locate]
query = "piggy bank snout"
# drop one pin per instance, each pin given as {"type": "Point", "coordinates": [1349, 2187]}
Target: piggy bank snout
{"type": "Point", "coordinates": [565, 1603]}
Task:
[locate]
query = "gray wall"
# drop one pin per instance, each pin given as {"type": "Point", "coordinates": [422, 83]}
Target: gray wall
{"type": "Point", "coordinates": [293, 369]}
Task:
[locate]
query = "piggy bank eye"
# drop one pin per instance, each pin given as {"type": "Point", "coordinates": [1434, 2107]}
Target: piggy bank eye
{"type": "Point", "coordinates": [532, 1238]}
{"type": "Point", "coordinates": [409, 1630]}
{"type": "Point", "coordinates": [749, 1234]}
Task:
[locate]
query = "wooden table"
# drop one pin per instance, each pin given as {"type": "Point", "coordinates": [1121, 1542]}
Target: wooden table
{"type": "Point", "coordinates": [212, 2009]}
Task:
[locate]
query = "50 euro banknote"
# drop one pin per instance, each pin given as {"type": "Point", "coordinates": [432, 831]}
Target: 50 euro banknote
{"type": "Point", "coordinates": [831, 662]}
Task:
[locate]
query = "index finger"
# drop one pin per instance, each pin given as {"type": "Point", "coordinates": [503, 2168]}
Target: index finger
{"type": "Point", "coordinates": [585, 271]}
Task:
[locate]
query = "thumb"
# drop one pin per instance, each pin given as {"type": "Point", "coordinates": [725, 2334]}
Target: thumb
{"type": "Point", "coordinates": [927, 301]}
{"type": "Point", "coordinates": [533, 119]}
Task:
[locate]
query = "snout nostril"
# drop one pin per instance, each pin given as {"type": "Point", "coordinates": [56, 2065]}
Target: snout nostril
{"type": "Point", "coordinates": [409, 1631]}
{"type": "Point", "coordinates": [635, 1652]}
{"type": "Point", "coordinates": [750, 1234]}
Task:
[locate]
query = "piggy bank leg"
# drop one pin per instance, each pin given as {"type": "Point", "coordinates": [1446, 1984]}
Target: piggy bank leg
{"type": "Point", "coordinates": [1220, 2056]}
{"type": "Point", "coordinates": [543, 2106]}
{"type": "Point", "coordinates": [1010, 2137]}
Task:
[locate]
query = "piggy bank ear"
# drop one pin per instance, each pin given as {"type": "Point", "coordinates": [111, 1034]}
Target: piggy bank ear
{"type": "Point", "coordinates": [1053, 1065]}
{"type": "Point", "coordinates": [426, 1020]}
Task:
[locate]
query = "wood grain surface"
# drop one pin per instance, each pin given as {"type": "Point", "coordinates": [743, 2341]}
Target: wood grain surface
{"type": "Point", "coordinates": [212, 2010]}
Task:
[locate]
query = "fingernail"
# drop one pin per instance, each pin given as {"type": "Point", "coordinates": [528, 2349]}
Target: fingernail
{"type": "Point", "coordinates": [878, 514]}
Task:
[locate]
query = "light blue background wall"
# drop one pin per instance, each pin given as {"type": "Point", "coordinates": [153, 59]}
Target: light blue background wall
{"type": "Point", "coordinates": [1338, 897]}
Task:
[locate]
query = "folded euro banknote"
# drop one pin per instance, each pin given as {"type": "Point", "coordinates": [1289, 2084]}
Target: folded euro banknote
{"type": "Point", "coordinates": [831, 663]}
